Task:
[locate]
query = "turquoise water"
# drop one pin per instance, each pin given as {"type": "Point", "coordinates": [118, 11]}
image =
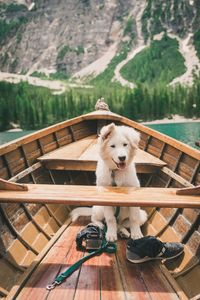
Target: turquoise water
{"type": "Point", "coordinates": [185, 132]}
{"type": "Point", "coordinates": [7, 136]}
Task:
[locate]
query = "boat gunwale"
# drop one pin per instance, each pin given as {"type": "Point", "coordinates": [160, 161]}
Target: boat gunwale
{"type": "Point", "coordinates": [100, 115]}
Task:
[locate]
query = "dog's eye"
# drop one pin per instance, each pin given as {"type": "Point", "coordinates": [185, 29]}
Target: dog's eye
{"type": "Point", "coordinates": [125, 144]}
{"type": "Point", "coordinates": [112, 146]}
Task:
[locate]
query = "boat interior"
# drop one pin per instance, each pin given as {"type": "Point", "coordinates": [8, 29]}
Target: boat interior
{"type": "Point", "coordinates": [37, 239]}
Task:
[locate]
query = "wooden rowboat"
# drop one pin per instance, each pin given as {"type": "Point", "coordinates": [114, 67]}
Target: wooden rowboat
{"type": "Point", "coordinates": [45, 173]}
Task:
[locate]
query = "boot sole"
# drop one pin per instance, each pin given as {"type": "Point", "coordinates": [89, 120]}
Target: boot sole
{"type": "Point", "coordinates": [144, 259]}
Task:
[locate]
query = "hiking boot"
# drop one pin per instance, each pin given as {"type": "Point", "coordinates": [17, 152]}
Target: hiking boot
{"type": "Point", "coordinates": [150, 248]}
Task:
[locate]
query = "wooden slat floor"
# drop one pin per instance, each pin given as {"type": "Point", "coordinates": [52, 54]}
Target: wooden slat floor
{"type": "Point", "coordinates": [108, 276]}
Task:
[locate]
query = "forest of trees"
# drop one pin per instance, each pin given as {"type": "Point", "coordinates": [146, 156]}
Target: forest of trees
{"type": "Point", "coordinates": [33, 107]}
{"type": "Point", "coordinates": [159, 63]}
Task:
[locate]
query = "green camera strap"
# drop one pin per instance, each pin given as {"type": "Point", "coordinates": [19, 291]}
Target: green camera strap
{"type": "Point", "coordinates": [106, 247]}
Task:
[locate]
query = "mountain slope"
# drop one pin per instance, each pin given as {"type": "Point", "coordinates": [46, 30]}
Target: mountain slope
{"type": "Point", "coordinates": [81, 38]}
{"type": "Point", "coordinates": [60, 36]}
{"type": "Point", "coordinates": [159, 63]}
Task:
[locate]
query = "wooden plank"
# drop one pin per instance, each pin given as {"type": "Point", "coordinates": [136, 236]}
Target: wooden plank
{"type": "Point", "coordinates": [83, 155]}
{"type": "Point", "coordinates": [9, 170]}
{"type": "Point", "coordinates": [189, 191]}
{"type": "Point", "coordinates": [158, 286]}
{"type": "Point", "coordinates": [3, 292]}
{"type": "Point", "coordinates": [86, 165]}
{"type": "Point", "coordinates": [90, 152]}
{"type": "Point", "coordinates": [72, 133]}
{"type": "Point", "coordinates": [143, 281]}
{"type": "Point", "coordinates": [27, 274]}
{"type": "Point", "coordinates": [132, 281]}
{"type": "Point", "coordinates": [89, 282]}
{"type": "Point", "coordinates": [87, 150]}
{"type": "Point", "coordinates": [173, 283]}
{"type": "Point", "coordinates": [107, 196]}
{"type": "Point", "coordinates": [69, 165]}
{"type": "Point", "coordinates": [99, 278]}
{"type": "Point", "coordinates": [61, 256]}
{"type": "Point", "coordinates": [25, 172]}
{"type": "Point", "coordinates": [6, 185]}
{"type": "Point", "coordinates": [145, 158]}
{"type": "Point", "coordinates": [84, 129]}
{"type": "Point", "coordinates": [64, 136]}
{"type": "Point", "coordinates": [112, 287]}
{"type": "Point", "coordinates": [55, 262]}
{"type": "Point", "coordinates": [177, 177]}
{"type": "Point", "coordinates": [71, 151]}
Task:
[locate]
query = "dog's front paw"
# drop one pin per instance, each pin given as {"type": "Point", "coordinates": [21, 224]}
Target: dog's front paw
{"type": "Point", "coordinates": [123, 233]}
{"type": "Point", "coordinates": [111, 236]}
{"type": "Point", "coordinates": [136, 234]}
{"type": "Point", "coordinates": [98, 223]}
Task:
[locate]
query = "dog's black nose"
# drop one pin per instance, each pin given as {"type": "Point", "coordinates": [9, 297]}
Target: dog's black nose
{"type": "Point", "coordinates": [122, 158]}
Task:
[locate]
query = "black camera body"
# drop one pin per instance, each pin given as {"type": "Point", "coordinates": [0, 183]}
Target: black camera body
{"type": "Point", "coordinates": [90, 238]}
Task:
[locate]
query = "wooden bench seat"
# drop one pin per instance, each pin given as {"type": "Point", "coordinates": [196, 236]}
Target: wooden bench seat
{"type": "Point", "coordinates": [108, 276]}
{"type": "Point", "coordinates": [83, 155]}
{"type": "Point", "coordinates": [92, 195]}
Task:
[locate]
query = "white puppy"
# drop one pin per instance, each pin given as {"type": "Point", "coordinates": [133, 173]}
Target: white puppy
{"type": "Point", "coordinates": [117, 147]}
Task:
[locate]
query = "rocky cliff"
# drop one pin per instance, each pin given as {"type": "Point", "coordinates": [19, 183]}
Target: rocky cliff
{"type": "Point", "coordinates": [66, 36]}
{"type": "Point", "coordinates": [59, 35]}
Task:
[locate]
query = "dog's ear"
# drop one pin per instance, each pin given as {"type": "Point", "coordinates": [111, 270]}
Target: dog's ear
{"type": "Point", "coordinates": [106, 131]}
{"type": "Point", "coordinates": [133, 136]}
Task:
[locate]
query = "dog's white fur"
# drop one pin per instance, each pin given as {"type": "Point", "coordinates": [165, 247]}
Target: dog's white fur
{"type": "Point", "coordinates": [117, 147]}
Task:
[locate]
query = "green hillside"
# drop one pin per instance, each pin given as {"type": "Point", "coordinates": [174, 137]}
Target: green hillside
{"type": "Point", "coordinates": [197, 42]}
{"type": "Point", "coordinates": [106, 76]}
{"type": "Point", "coordinates": [159, 63]}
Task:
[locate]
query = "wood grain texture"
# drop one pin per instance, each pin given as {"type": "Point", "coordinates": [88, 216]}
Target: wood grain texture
{"type": "Point", "coordinates": [82, 155]}
{"type": "Point", "coordinates": [189, 191]}
{"type": "Point", "coordinates": [6, 185]}
{"type": "Point", "coordinates": [88, 165]}
{"type": "Point", "coordinates": [143, 281]}
{"type": "Point", "coordinates": [87, 150]}
{"type": "Point", "coordinates": [27, 274]}
{"type": "Point", "coordinates": [48, 269]}
{"type": "Point", "coordinates": [108, 276]}
{"type": "Point", "coordinates": [107, 196]}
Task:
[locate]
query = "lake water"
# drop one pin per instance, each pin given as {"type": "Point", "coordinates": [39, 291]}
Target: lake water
{"type": "Point", "coordinates": [185, 132]}
{"type": "Point", "coordinates": [8, 136]}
